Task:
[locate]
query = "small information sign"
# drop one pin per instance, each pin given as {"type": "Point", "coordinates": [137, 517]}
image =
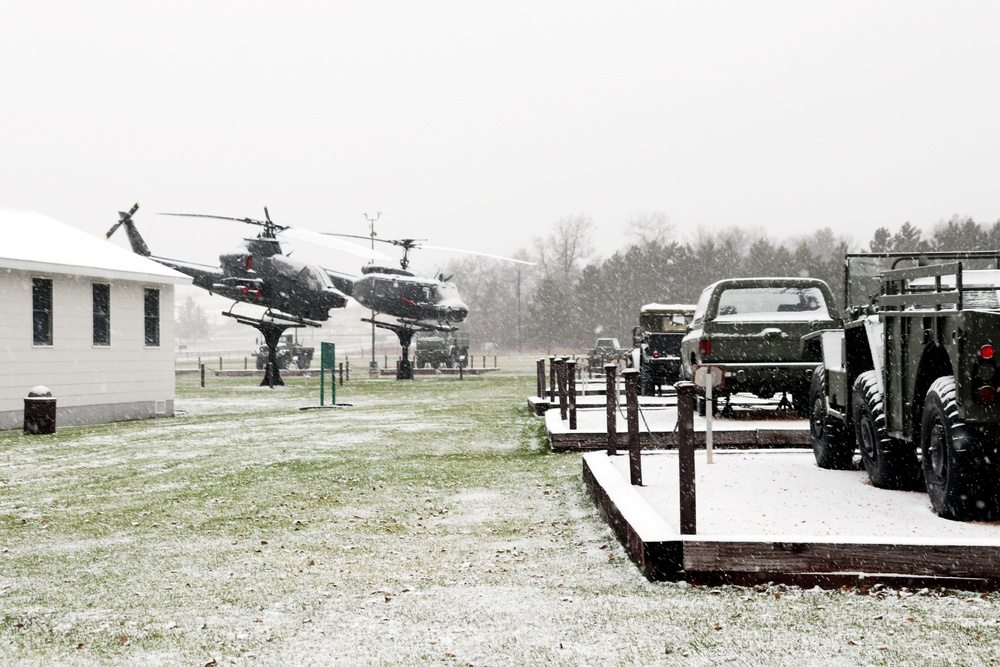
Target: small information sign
{"type": "Point", "coordinates": [709, 375]}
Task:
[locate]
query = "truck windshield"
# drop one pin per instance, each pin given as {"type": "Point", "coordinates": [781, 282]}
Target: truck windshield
{"type": "Point", "coordinates": [773, 303]}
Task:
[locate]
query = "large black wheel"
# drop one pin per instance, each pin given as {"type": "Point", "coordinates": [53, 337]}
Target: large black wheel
{"type": "Point", "coordinates": [890, 464]}
{"type": "Point", "coordinates": [645, 382]}
{"type": "Point", "coordinates": [260, 363]}
{"type": "Point", "coordinates": [956, 473]}
{"type": "Point", "coordinates": [831, 446]}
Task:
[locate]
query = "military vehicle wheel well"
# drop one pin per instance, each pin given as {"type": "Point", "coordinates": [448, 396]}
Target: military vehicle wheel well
{"type": "Point", "coordinates": [933, 364]}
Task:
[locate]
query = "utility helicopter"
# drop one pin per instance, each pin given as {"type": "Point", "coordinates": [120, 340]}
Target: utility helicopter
{"type": "Point", "coordinates": [418, 304]}
{"type": "Point", "coordinates": [295, 293]}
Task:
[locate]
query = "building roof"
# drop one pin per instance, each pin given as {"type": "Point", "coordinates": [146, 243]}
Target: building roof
{"type": "Point", "coordinates": [36, 242]}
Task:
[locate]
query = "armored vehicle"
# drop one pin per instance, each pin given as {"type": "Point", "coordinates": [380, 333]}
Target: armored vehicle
{"type": "Point", "coordinates": [911, 381]}
{"type": "Point", "coordinates": [289, 352]}
{"type": "Point", "coordinates": [656, 344]}
{"type": "Point", "coordinates": [754, 327]}
{"type": "Point", "coordinates": [448, 348]}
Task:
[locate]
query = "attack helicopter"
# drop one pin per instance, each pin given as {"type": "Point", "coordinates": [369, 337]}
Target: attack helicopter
{"type": "Point", "coordinates": [294, 293]}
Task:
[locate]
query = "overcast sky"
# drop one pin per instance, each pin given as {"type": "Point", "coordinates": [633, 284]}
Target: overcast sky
{"type": "Point", "coordinates": [478, 125]}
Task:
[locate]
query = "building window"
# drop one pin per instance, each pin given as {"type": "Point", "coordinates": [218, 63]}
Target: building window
{"type": "Point", "coordinates": [41, 306]}
{"type": "Point", "coordinates": [102, 314]}
{"type": "Point", "coordinates": [152, 306]}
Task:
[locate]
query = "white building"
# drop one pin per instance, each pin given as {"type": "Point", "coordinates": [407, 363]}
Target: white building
{"type": "Point", "coordinates": [92, 322]}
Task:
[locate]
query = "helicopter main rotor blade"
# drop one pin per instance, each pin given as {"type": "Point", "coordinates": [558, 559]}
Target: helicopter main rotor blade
{"type": "Point", "coordinates": [481, 254]}
{"type": "Point", "coordinates": [219, 217]}
{"type": "Point", "coordinates": [334, 244]}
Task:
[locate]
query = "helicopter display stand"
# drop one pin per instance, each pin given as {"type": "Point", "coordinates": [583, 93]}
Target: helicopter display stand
{"type": "Point", "coordinates": [271, 330]}
{"type": "Point", "coordinates": [404, 331]}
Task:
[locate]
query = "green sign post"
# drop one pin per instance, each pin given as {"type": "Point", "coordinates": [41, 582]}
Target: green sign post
{"type": "Point", "coordinates": [328, 359]}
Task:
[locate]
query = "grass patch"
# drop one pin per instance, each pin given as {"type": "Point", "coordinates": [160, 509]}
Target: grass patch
{"type": "Point", "coordinates": [427, 523]}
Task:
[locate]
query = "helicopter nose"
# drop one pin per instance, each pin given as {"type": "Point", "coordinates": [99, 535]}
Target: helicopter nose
{"type": "Point", "coordinates": [456, 312]}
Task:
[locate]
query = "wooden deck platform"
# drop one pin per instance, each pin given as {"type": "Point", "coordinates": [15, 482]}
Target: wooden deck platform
{"type": "Point", "coordinates": [661, 553]}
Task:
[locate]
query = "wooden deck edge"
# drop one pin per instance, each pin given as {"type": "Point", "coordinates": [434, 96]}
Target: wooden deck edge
{"type": "Point", "coordinates": [578, 441]}
{"type": "Point", "coordinates": [658, 559]}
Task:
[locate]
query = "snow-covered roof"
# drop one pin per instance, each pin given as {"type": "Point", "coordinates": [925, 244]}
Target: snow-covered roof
{"type": "Point", "coordinates": [36, 242]}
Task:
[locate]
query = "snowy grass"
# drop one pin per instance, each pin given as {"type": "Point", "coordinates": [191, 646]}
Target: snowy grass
{"type": "Point", "coordinates": [426, 524]}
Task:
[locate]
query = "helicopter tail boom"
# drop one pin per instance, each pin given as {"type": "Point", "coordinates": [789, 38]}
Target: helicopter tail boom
{"type": "Point", "coordinates": [135, 240]}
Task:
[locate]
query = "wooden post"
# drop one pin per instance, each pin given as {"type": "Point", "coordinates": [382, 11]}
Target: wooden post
{"type": "Point", "coordinates": [202, 367]}
{"type": "Point", "coordinates": [553, 387]}
{"type": "Point", "coordinates": [461, 371]}
{"type": "Point", "coordinates": [540, 377]}
{"type": "Point", "coordinates": [571, 392]}
{"type": "Point", "coordinates": [685, 457]}
{"type": "Point", "coordinates": [561, 380]}
{"type": "Point", "coordinates": [220, 362]}
{"type": "Point", "coordinates": [348, 373]}
{"type": "Point", "coordinates": [341, 373]}
{"type": "Point", "coordinates": [245, 363]}
{"type": "Point", "coordinates": [631, 376]}
{"type": "Point", "coordinates": [611, 383]}
{"type": "Point", "coordinates": [494, 361]}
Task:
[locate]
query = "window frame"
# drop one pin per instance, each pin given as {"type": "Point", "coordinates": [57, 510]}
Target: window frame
{"type": "Point", "coordinates": [101, 319]}
{"type": "Point", "coordinates": [151, 318]}
{"type": "Point", "coordinates": [39, 309]}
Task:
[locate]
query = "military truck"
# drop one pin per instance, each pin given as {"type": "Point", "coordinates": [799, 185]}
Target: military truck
{"type": "Point", "coordinates": [911, 381]}
{"type": "Point", "coordinates": [438, 347]}
{"type": "Point", "coordinates": [604, 351]}
{"type": "Point", "coordinates": [754, 326]}
{"type": "Point", "coordinates": [288, 352]}
{"type": "Point", "coordinates": [656, 345]}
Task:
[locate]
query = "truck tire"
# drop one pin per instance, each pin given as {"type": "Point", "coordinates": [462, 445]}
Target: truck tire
{"type": "Point", "coordinates": [421, 363]}
{"type": "Point", "coordinates": [957, 477]}
{"type": "Point", "coordinates": [260, 363]}
{"type": "Point", "coordinates": [888, 462]}
{"type": "Point", "coordinates": [452, 357]}
{"type": "Point", "coordinates": [645, 382]}
{"type": "Point", "coordinates": [831, 446]}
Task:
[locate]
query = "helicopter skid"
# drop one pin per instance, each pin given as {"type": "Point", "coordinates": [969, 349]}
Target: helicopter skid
{"type": "Point", "coordinates": [270, 316]}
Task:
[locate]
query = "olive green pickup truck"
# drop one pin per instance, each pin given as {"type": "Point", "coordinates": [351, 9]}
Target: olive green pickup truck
{"type": "Point", "coordinates": [754, 327]}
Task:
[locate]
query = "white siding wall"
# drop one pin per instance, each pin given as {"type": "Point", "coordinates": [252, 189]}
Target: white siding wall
{"type": "Point", "coordinates": [77, 372]}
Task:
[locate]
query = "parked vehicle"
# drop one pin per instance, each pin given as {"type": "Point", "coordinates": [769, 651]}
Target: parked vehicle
{"type": "Point", "coordinates": [289, 352]}
{"type": "Point", "coordinates": [605, 350]}
{"type": "Point", "coordinates": [434, 349]}
{"type": "Point", "coordinates": [911, 381]}
{"type": "Point", "coordinates": [656, 345]}
{"type": "Point", "coordinates": [754, 327]}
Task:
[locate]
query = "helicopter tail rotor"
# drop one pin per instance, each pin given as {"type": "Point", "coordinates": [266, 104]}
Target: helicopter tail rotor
{"type": "Point", "coordinates": [122, 217]}
{"type": "Point", "coordinates": [139, 246]}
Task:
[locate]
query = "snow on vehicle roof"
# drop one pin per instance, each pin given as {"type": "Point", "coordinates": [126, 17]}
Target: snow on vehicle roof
{"type": "Point", "coordinates": [36, 242]}
{"type": "Point", "coordinates": [671, 307]}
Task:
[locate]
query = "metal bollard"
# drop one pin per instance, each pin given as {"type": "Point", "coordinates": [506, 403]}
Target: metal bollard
{"type": "Point", "coordinates": [571, 392]}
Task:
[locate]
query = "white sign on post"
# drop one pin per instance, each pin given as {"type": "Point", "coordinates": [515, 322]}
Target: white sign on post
{"type": "Point", "coordinates": [709, 376]}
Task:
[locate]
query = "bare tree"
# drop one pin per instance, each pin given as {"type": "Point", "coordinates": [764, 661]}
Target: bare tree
{"type": "Point", "coordinates": [648, 228]}
{"type": "Point", "coordinates": [569, 244]}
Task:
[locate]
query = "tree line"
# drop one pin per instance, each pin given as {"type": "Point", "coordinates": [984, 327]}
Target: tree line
{"type": "Point", "coordinates": [569, 299]}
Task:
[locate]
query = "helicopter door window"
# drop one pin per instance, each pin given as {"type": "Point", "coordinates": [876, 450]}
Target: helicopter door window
{"type": "Point", "coordinates": [380, 288]}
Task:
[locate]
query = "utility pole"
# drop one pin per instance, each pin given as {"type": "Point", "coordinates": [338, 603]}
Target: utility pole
{"type": "Point", "coordinates": [373, 365]}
